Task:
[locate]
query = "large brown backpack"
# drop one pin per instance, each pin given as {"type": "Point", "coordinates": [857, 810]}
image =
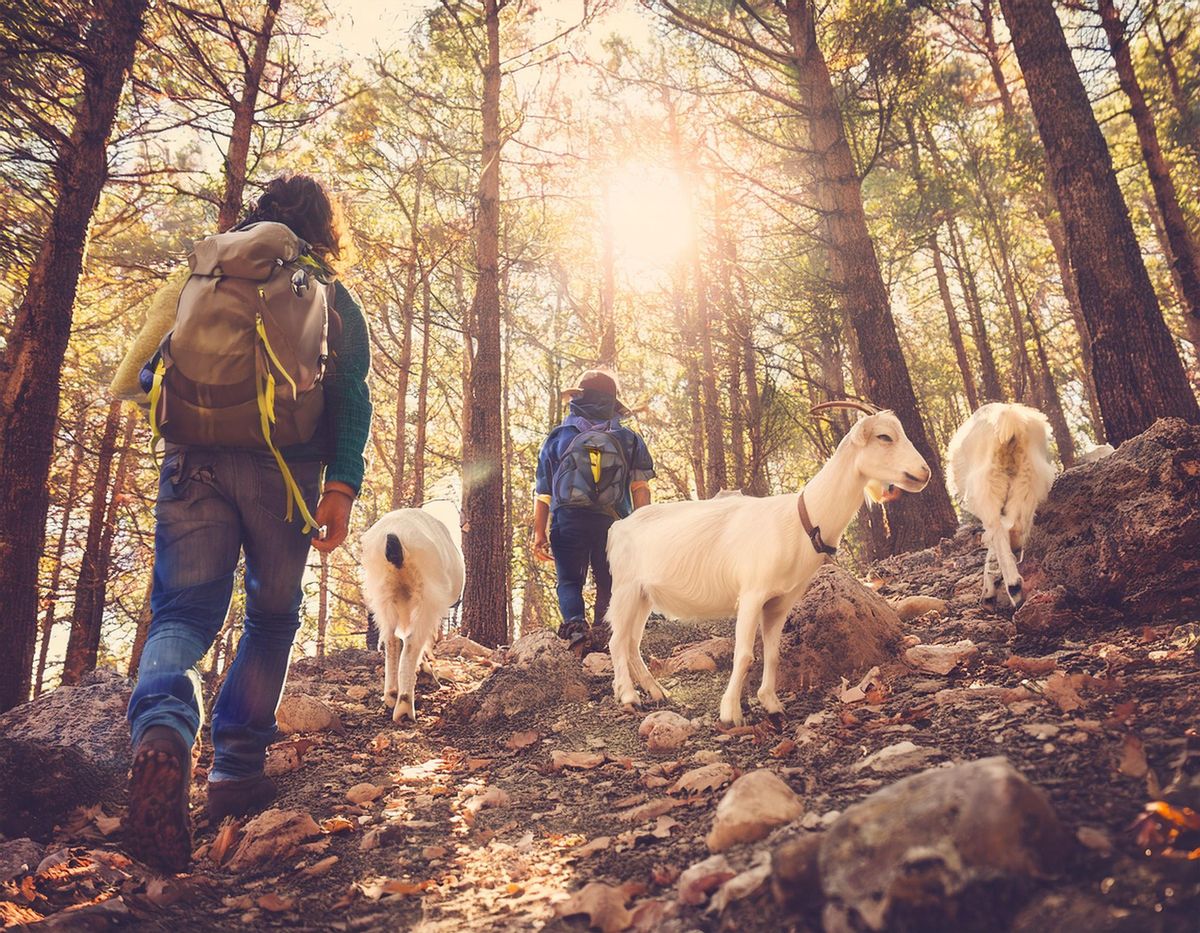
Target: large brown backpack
{"type": "Point", "coordinates": [244, 363]}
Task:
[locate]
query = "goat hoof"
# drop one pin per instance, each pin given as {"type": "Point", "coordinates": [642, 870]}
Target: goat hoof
{"type": "Point", "coordinates": [1016, 595]}
{"type": "Point", "coordinates": [389, 699]}
{"type": "Point", "coordinates": [404, 710]}
{"type": "Point", "coordinates": [989, 601]}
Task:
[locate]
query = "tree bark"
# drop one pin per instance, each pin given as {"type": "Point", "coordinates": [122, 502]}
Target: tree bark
{"type": "Point", "coordinates": [917, 521]}
{"type": "Point", "coordinates": [238, 155]}
{"type": "Point", "coordinates": [36, 344]}
{"type": "Point", "coordinates": [142, 630]}
{"type": "Point", "coordinates": [939, 271]}
{"type": "Point", "coordinates": [91, 588]}
{"type": "Point", "coordinates": [1139, 376]}
{"type": "Point", "coordinates": [60, 547]}
{"type": "Point", "coordinates": [485, 599]}
{"type": "Point", "coordinates": [1179, 97]}
{"type": "Point", "coordinates": [418, 490]}
{"type": "Point", "coordinates": [992, 389]}
{"type": "Point", "coordinates": [1182, 248]}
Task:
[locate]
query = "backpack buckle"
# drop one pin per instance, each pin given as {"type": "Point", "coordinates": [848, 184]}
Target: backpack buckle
{"type": "Point", "coordinates": [299, 282]}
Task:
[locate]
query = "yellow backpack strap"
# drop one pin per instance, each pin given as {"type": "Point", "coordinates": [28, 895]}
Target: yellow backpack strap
{"type": "Point", "coordinates": [156, 385]}
{"type": "Point", "coordinates": [262, 335]}
{"type": "Point", "coordinates": [266, 414]}
{"type": "Point", "coordinates": [594, 457]}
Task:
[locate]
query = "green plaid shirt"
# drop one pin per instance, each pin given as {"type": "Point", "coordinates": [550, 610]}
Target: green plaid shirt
{"type": "Point", "coordinates": [342, 437]}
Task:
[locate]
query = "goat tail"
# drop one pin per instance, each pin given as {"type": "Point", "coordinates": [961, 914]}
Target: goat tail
{"type": "Point", "coordinates": [1007, 423]}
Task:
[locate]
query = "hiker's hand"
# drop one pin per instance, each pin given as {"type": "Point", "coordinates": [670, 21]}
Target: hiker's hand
{"type": "Point", "coordinates": [541, 548]}
{"type": "Point", "coordinates": [333, 511]}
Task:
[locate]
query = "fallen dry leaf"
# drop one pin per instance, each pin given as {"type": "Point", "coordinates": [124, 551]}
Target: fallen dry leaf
{"type": "Point", "coordinates": [1133, 758]}
{"type": "Point", "coordinates": [271, 836]}
{"type": "Point", "coordinates": [581, 760]}
{"type": "Point", "coordinates": [603, 904]}
{"type": "Point", "coordinates": [1063, 690]}
{"type": "Point", "coordinates": [337, 824]}
{"type": "Point", "coordinates": [275, 903]}
{"type": "Point", "coordinates": [703, 779]}
{"type": "Point", "coordinates": [520, 740]}
{"type": "Point", "coordinates": [648, 810]}
{"type": "Point", "coordinates": [591, 848]}
{"type": "Point", "coordinates": [858, 693]}
{"type": "Point", "coordinates": [1032, 666]}
{"type": "Point", "coordinates": [319, 868]}
{"type": "Point", "coordinates": [784, 748]}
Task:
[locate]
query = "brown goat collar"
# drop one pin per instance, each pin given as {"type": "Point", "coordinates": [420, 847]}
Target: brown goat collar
{"type": "Point", "coordinates": [813, 532]}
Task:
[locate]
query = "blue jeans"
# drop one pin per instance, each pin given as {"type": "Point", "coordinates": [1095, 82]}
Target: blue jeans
{"type": "Point", "coordinates": [213, 504]}
{"type": "Point", "coordinates": [578, 539]}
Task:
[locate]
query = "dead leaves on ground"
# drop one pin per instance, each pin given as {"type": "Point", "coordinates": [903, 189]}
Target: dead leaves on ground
{"type": "Point", "coordinates": [603, 905]}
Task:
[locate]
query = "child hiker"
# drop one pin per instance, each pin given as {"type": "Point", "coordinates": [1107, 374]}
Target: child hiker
{"type": "Point", "coordinates": [591, 471]}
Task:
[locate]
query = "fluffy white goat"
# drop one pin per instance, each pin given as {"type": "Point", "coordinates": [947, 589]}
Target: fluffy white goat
{"type": "Point", "coordinates": [751, 556]}
{"type": "Point", "coordinates": [412, 574]}
{"type": "Point", "coordinates": [999, 467]}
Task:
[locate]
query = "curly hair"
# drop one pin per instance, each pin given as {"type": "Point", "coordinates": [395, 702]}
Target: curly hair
{"type": "Point", "coordinates": [303, 203]}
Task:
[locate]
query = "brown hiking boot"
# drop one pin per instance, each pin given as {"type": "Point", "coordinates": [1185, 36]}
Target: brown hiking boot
{"type": "Point", "coordinates": [158, 829]}
{"type": "Point", "coordinates": [239, 798]}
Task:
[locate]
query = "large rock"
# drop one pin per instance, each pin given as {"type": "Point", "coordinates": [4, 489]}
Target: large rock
{"type": "Point", "coordinates": [67, 748]}
{"type": "Point", "coordinates": [539, 673]}
{"type": "Point", "coordinates": [947, 848]}
{"type": "Point", "coordinates": [1124, 532]}
{"type": "Point", "coordinates": [839, 629]}
{"type": "Point", "coordinates": [19, 857]}
{"type": "Point", "coordinates": [300, 712]}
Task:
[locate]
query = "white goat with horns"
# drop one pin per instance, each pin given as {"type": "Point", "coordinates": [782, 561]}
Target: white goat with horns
{"type": "Point", "coordinates": [751, 556]}
{"type": "Point", "coordinates": [999, 467]}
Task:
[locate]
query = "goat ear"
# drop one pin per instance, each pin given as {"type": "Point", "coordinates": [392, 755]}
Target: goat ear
{"type": "Point", "coordinates": [859, 433]}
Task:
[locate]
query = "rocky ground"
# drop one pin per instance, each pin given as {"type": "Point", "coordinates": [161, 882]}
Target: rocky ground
{"type": "Point", "coordinates": [940, 766]}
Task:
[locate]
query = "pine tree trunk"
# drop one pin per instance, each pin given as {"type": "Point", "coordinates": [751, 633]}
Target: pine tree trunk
{"type": "Point", "coordinates": [992, 389]}
{"type": "Point", "coordinates": [485, 599]}
{"type": "Point", "coordinates": [1182, 248]}
{"type": "Point", "coordinates": [142, 630]}
{"type": "Point", "coordinates": [237, 157]}
{"type": "Point", "coordinates": [939, 271]}
{"type": "Point", "coordinates": [90, 589]}
{"type": "Point", "coordinates": [916, 521]}
{"type": "Point", "coordinates": [1179, 97]}
{"type": "Point", "coordinates": [60, 547]}
{"type": "Point", "coordinates": [322, 605]}
{"type": "Point", "coordinates": [37, 342]}
{"type": "Point", "coordinates": [1139, 376]}
{"type": "Point", "coordinates": [418, 492]}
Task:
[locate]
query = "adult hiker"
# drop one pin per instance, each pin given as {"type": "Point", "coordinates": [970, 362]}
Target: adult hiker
{"type": "Point", "coordinates": [258, 388]}
{"type": "Point", "coordinates": [591, 471]}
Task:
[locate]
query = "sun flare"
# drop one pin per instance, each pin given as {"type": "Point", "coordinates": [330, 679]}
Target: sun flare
{"type": "Point", "coordinates": [650, 217]}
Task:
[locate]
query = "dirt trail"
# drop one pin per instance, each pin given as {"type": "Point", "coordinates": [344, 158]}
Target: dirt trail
{"type": "Point", "coordinates": [471, 826]}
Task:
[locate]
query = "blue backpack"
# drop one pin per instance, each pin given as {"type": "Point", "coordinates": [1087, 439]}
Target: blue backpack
{"type": "Point", "coordinates": [593, 473]}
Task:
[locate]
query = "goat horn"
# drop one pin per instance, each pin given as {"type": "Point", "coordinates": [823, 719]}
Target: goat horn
{"type": "Point", "coordinates": [866, 407]}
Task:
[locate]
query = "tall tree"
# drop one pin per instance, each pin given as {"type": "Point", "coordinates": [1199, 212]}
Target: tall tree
{"type": "Point", "coordinates": [1182, 247]}
{"type": "Point", "coordinates": [485, 597]}
{"type": "Point", "coordinates": [1139, 376]}
{"type": "Point", "coordinates": [88, 614]}
{"type": "Point", "coordinates": [29, 376]}
{"type": "Point", "coordinates": [914, 521]}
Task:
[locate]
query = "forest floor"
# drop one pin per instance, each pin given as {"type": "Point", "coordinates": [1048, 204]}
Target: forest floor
{"type": "Point", "coordinates": [459, 825]}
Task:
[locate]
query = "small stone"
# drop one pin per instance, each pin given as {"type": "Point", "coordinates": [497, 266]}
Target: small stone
{"type": "Point", "coordinates": [755, 804]}
{"type": "Point", "coordinates": [665, 731]}
{"type": "Point", "coordinates": [1041, 730]}
{"type": "Point", "coordinates": [910, 607]}
{"type": "Point", "coordinates": [940, 659]}
{"type": "Point", "coordinates": [699, 881]}
{"type": "Point", "coordinates": [364, 793]}
{"type": "Point", "coordinates": [358, 692]}
{"type": "Point", "coordinates": [902, 756]}
{"type": "Point", "coordinates": [19, 856]}
{"type": "Point", "coordinates": [1095, 839]}
{"type": "Point", "coordinates": [598, 664]}
{"type": "Point", "coordinates": [299, 712]}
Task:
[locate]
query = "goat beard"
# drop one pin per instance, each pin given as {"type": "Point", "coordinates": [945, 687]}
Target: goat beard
{"type": "Point", "coordinates": [881, 495]}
